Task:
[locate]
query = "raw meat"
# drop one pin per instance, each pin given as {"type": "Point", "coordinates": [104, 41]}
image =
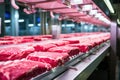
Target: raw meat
{"type": "Point", "coordinates": [46, 36]}
{"type": "Point", "coordinates": [6, 42]}
{"type": "Point", "coordinates": [58, 42]}
{"type": "Point", "coordinates": [18, 52]}
{"type": "Point", "coordinates": [53, 58]}
{"type": "Point", "coordinates": [22, 69]}
{"type": "Point", "coordinates": [22, 40]}
{"type": "Point", "coordinates": [71, 41]}
{"type": "Point", "coordinates": [42, 46]}
{"type": "Point", "coordinates": [67, 49]}
{"type": "Point", "coordinates": [83, 47]}
{"type": "Point", "coordinates": [65, 36]}
{"type": "Point", "coordinates": [40, 39]}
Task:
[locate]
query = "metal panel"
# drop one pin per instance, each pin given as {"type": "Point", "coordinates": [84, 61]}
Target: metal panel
{"type": "Point", "coordinates": [14, 22]}
{"type": "Point", "coordinates": [113, 64]}
{"type": "Point", "coordinates": [79, 68]}
{"type": "Point", "coordinates": [86, 67]}
{"type": "Point", "coordinates": [2, 12]}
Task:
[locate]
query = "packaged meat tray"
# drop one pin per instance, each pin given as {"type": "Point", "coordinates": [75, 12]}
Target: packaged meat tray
{"type": "Point", "coordinates": [65, 49]}
{"type": "Point", "coordinates": [22, 69]}
{"type": "Point", "coordinates": [53, 58]}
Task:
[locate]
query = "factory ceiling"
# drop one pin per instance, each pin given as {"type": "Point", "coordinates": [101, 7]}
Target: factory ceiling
{"type": "Point", "coordinates": [103, 7]}
{"type": "Point", "coordinates": [116, 7]}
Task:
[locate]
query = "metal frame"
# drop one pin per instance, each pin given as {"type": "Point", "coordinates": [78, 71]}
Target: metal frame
{"type": "Point", "coordinates": [14, 22]}
{"type": "Point", "coordinates": [2, 8]}
{"type": "Point", "coordinates": [86, 67]}
{"type": "Point", "coordinates": [82, 66]}
{"type": "Point", "coordinates": [113, 59]}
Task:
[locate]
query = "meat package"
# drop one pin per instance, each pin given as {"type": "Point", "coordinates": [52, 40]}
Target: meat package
{"type": "Point", "coordinates": [53, 58]}
{"type": "Point", "coordinates": [67, 49]}
{"type": "Point", "coordinates": [16, 52]}
{"type": "Point", "coordinates": [22, 69]}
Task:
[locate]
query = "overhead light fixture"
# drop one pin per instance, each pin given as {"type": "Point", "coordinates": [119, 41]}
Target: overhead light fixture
{"type": "Point", "coordinates": [8, 21]}
{"type": "Point", "coordinates": [109, 5]}
{"type": "Point", "coordinates": [30, 25]}
{"type": "Point", "coordinates": [118, 21]}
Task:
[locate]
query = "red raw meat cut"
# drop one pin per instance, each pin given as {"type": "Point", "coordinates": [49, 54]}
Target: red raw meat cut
{"type": "Point", "coordinates": [6, 42]}
{"type": "Point", "coordinates": [65, 36]}
{"type": "Point", "coordinates": [65, 49]}
{"type": "Point", "coordinates": [40, 39]}
{"type": "Point", "coordinates": [58, 42]}
{"type": "Point", "coordinates": [71, 41]}
{"type": "Point", "coordinates": [42, 46]}
{"type": "Point", "coordinates": [46, 36]}
{"type": "Point", "coordinates": [21, 40]}
{"type": "Point", "coordinates": [27, 37]}
{"type": "Point", "coordinates": [18, 52]}
{"type": "Point", "coordinates": [37, 38]}
{"type": "Point", "coordinates": [7, 38]}
{"type": "Point", "coordinates": [44, 39]}
{"type": "Point", "coordinates": [53, 58]}
{"type": "Point", "coordinates": [22, 69]}
{"type": "Point", "coordinates": [98, 41]}
{"type": "Point", "coordinates": [83, 47]}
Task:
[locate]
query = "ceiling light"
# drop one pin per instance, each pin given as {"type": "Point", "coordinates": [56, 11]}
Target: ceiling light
{"type": "Point", "coordinates": [30, 25]}
{"type": "Point", "coordinates": [109, 5]}
{"type": "Point", "coordinates": [8, 21]}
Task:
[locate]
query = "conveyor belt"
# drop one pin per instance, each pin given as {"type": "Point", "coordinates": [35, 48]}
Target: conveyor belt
{"type": "Point", "coordinates": [82, 65]}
